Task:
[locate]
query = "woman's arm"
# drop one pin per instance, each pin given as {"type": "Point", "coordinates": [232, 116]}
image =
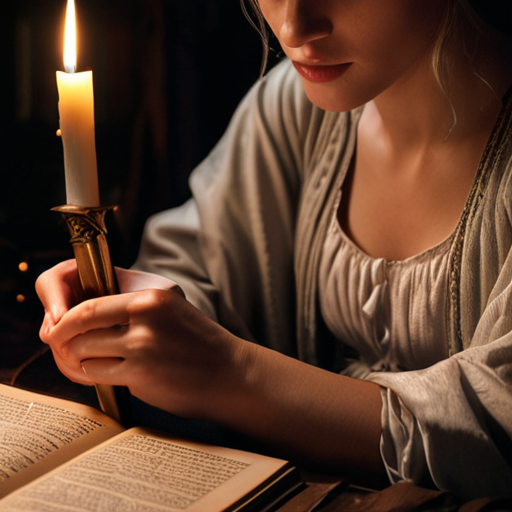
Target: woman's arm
{"type": "Point", "coordinates": [172, 356]}
{"type": "Point", "coordinates": [324, 420]}
{"type": "Point", "coordinates": [451, 423]}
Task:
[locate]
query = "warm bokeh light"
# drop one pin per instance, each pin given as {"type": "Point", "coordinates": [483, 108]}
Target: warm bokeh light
{"type": "Point", "coordinates": [23, 266]}
{"type": "Point", "coordinates": [20, 298]}
{"type": "Point", "coordinates": [70, 38]}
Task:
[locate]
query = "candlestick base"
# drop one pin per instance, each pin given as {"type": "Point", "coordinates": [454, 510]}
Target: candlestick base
{"type": "Point", "coordinates": [97, 277]}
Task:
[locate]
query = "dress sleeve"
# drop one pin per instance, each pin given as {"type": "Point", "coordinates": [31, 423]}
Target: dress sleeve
{"type": "Point", "coordinates": [231, 246]}
{"type": "Point", "coordinates": [451, 424]}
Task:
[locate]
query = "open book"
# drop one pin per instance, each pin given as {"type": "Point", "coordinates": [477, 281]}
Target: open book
{"type": "Point", "coordinates": [57, 455]}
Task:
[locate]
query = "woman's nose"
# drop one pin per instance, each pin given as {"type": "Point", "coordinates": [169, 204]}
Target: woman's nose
{"type": "Point", "coordinates": [303, 23]}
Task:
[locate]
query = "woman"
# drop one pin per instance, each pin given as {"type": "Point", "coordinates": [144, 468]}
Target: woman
{"type": "Point", "coordinates": [355, 222]}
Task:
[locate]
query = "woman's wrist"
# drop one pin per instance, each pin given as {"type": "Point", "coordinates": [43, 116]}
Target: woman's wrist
{"type": "Point", "coordinates": [228, 387]}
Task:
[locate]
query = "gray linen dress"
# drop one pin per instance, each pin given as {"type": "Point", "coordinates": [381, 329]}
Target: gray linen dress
{"type": "Point", "coordinates": [247, 250]}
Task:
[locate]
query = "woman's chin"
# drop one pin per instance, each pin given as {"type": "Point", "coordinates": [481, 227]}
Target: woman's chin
{"type": "Point", "coordinates": [331, 99]}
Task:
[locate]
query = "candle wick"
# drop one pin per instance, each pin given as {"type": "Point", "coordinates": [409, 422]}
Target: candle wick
{"type": "Point", "coordinates": [70, 69]}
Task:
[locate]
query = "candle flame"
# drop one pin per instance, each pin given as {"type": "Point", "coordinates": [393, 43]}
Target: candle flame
{"type": "Point", "coordinates": [70, 38]}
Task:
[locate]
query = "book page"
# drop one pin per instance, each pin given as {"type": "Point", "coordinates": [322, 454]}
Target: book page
{"type": "Point", "coordinates": [147, 472]}
{"type": "Point", "coordinates": [38, 433]}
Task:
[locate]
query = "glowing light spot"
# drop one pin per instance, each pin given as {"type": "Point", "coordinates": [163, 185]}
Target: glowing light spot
{"type": "Point", "coordinates": [23, 266]}
{"type": "Point", "coordinates": [20, 298]}
{"type": "Point", "coordinates": [58, 133]}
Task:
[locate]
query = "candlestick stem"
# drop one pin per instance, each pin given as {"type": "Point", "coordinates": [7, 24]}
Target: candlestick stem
{"type": "Point", "coordinates": [86, 226]}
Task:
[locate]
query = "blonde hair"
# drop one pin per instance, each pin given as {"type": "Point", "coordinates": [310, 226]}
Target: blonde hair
{"type": "Point", "coordinates": [256, 19]}
{"type": "Point", "coordinates": [457, 14]}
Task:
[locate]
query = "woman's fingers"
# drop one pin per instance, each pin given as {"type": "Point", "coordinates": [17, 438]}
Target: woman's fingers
{"type": "Point", "coordinates": [59, 289]}
{"type": "Point", "coordinates": [104, 370]}
{"type": "Point", "coordinates": [75, 374]}
{"type": "Point", "coordinates": [98, 343]}
{"type": "Point", "coordinates": [91, 315]}
{"type": "Point", "coordinates": [115, 326]}
{"type": "Point", "coordinates": [110, 311]}
{"type": "Point", "coordinates": [108, 345]}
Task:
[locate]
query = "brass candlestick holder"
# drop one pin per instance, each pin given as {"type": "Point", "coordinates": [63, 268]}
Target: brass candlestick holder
{"type": "Point", "coordinates": [97, 277]}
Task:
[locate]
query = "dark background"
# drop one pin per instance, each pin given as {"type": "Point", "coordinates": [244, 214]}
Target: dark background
{"type": "Point", "coordinates": [167, 75]}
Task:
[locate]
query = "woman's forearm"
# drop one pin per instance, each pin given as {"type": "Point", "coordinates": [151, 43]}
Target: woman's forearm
{"type": "Point", "coordinates": [323, 421]}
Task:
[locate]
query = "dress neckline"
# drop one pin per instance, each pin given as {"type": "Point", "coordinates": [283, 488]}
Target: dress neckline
{"type": "Point", "coordinates": [420, 257]}
{"type": "Point", "coordinates": [478, 187]}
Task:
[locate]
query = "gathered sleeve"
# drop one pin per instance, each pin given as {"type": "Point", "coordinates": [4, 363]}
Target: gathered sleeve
{"type": "Point", "coordinates": [451, 424]}
{"type": "Point", "coordinates": [231, 246]}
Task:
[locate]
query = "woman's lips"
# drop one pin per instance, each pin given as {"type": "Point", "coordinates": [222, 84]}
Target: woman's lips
{"type": "Point", "coordinates": [321, 73]}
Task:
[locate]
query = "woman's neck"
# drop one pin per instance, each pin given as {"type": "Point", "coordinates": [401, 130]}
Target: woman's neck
{"type": "Point", "coordinates": [416, 113]}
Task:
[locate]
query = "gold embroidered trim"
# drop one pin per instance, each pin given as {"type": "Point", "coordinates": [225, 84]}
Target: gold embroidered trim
{"type": "Point", "coordinates": [490, 160]}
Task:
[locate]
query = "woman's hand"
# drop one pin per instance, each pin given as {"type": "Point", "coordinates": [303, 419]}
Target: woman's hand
{"type": "Point", "coordinates": [149, 339]}
{"type": "Point", "coordinates": [172, 356]}
{"type": "Point", "coordinates": [59, 288]}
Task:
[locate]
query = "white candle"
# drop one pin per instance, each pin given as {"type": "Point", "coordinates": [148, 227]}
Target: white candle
{"type": "Point", "coordinates": [76, 110]}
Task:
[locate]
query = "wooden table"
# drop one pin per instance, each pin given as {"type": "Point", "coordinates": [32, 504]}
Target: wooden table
{"type": "Point", "coordinates": [322, 495]}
